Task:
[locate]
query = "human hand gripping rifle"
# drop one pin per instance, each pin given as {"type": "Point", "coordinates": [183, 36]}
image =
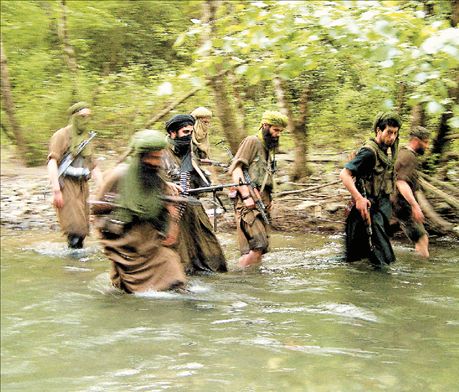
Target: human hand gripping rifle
{"type": "Point", "coordinates": [367, 222]}
{"type": "Point", "coordinates": [255, 195]}
{"type": "Point", "coordinates": [214, 189]}
{"type": "Point", "coordinates": [65, 167]}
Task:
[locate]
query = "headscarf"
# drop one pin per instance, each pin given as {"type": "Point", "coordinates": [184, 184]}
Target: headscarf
{"type": "Point", "coordinates": [134, 199]}
{"type": "Point", "coordinates": [179, 121]}
{"type": "Point", "coordinates": [200, 134]}
{"type": "Point", "coordinates": [420, 132]}
{"type": "Point", "coordinates": [274, 118]}
{"type": "Point", "coordinates": [79, 130]}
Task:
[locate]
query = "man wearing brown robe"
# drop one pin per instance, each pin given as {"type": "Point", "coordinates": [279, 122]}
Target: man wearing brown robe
{"type": "Point", "coordinates": [138, 225]}
{"type": "Point", "coordinates": [256, 155]}
{"type": "Point", "coordinates": [70, 192]}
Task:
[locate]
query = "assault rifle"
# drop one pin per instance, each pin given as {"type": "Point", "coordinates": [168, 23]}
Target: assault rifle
{"type": "Point", "coordinates": [367, 222]}
{"type": "Point", "coordinates": [65, 166]}
{"type": "Point", "coordinates": [255, 195]}
{"type": "Point", "coordinates": [211, 162]}
{"type": "Point", "coordinates": [214, 189]}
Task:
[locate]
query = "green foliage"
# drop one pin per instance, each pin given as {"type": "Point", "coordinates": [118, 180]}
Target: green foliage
{"type": "Point", "coordinates": [135, 57]}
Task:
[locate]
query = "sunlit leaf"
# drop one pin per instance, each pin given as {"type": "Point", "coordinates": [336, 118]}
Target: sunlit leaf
{"type": "Point", "coordinates": [435, 108]}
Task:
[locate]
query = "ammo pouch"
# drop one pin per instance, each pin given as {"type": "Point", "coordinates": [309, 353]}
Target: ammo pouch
{"type": "Point", "coordinates": [78, 170]}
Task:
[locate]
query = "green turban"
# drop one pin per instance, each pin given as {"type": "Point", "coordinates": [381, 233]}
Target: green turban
{"type": "Point", "coordinates": [383, 119]}
{"type": "Point", "coordinates": [75, 108]}
{"type": "Point", "coordinates": [420, 132]}
{"type": "Point", "coordinates": [274, 118]}
{"type": "Point", "coordinates": [147, 140]}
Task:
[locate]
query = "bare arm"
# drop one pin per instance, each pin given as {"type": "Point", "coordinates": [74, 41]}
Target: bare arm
{"type": "Point", "coordinates": [362, 204]}
{"type": "Point", "coordinates": [58, 200]}
{"type": "Point", "coordinates": [407, 193]}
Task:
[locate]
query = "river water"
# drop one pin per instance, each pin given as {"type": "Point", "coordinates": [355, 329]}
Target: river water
{"type": "Point", "coordinates": [302, 322]}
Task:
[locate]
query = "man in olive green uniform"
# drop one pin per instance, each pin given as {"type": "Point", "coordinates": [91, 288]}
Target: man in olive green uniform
{"type": "Point", "coordinates": [71, 191]}
{"type": "Point", "coordinates": [198, 245]}
{"type": "Point", "coordinates": [406, 208]}
{"type": "Point", "coordinates": [256, 154]}
{"type": "Point", "coordinates": [137, 225]}
{"type": "Point", "coordinates": [367, 225]}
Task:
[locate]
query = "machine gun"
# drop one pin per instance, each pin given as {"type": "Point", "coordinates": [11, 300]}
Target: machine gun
{"type": "Point", "coordinates": [65, 167]}
{"type": "Point", "coordinates": [255, 195]}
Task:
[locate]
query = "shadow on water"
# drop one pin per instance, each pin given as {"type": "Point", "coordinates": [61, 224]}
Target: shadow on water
{"type": "Point", "coordinates": [303, 320]}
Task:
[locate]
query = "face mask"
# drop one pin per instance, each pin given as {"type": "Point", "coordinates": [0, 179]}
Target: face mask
{"type": "Point", "coordinates": [182, 145]}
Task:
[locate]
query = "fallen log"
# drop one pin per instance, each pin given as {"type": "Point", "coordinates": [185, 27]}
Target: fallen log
{"type": "Point", "coordinates": [313, 188]}
{"type": "Point", "coordinates": [434, 219]}
{"type": "Point", "coordinates": [438, 183]}
{"type": "Point", "coordinates": [451, 200]}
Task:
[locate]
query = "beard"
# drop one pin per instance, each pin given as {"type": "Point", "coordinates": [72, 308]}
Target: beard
{"type": "Point", "coordinates": [149, 176]}
{"type": "Point", "coordinates": [271, 142]}
{"type": "Point", "coordinates": [420, 151]}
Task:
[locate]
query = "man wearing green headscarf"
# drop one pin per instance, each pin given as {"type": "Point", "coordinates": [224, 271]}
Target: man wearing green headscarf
{"type": "Point", "coordinates": [369, 178]}
{"type": "Point", "coordinates": [256, 153]}
{"type": "Point", "coordinates": [138, 226]}
{"type": "Point", "coordinates": [70, 193]}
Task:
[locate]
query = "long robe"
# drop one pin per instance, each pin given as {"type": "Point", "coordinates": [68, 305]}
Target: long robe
{"type": "Point", "coordinates": [139, 260]}
{"type": "Point", "coordinates": [73, 217]}
{"type": "Point", "coordinates": [198, 245]}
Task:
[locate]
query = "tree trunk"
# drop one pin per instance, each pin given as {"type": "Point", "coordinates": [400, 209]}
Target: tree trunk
{"type": "Point", "coordinates": [298, 126]}
{"type": "Point", "coordinates": [284, 107]}
{"type": "Point", "coordinates": [69, 52]}
{"type": "Point", "coordinates": [401, 97]}
{"type": "Point", "coordinates": [8, 106]}
{"type": "Point", "coordinates": [432, 218]}
{"type": "Point", "coordinates": [418, 116]}
{"type": "Point", "coordinates": [441, 140]}
{"type": "Point", "coordinates": [454, 13]}
{"type": "Point", "coordinates": [300, 134]}
{"type": "Point", "coordinates": [225, 108]}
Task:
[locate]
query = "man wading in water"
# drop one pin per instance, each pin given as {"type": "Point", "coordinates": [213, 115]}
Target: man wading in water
{"type": "Point", "coordinates": [255, 162]}
{"type": "Point", "coordinates": [367, 225]}
{"type": "Point", "coordinates": [139, 226]}
{"type": "Point", "coordinates": [71, 190]}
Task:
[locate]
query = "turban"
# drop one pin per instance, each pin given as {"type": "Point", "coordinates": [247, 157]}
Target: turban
{"type": "Point", "coordinates": [420, 132]}
{"type": "Point", "coordinates": [201, 112]}
{"type": "Point", "coordinates": [75, 108]}
{"type": "Point", "coordinates": [274, 118]}
{"type": "Point", "coordinates": [148, 140]}
{"type": "Point", "coordinates": [179, 121]}
{"type": "Point", "coordinates": [386, 117]}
